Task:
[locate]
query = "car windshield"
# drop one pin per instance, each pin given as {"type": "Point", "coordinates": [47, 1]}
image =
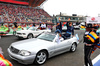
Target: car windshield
{"type": "Point", "coordinates": [32, 28]}
{"type": "Point", "coordinates": [47, 37]}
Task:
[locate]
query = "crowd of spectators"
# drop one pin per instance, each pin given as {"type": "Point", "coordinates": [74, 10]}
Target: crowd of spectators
{"type": "Point", "coordinates": [18, 13]}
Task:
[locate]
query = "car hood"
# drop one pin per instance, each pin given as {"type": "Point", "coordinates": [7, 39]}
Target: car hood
{"type": "Point", "coordinates": [24, 31]}
{"type": "Point", "coordinates": [30, 44]}
{"type": "Point", "coordinates": [76, 26]}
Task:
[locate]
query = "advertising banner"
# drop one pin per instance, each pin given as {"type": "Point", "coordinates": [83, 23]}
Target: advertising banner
{"type": "Point", "coordinates": [93, 19]}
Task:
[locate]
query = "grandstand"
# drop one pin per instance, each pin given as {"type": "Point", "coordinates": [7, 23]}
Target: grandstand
{"type": "Point", "coordinates": [19, 13]}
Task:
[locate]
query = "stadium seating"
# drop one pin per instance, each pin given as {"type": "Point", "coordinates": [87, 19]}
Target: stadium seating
{"type": "Point", "coordinates": [18, 13]}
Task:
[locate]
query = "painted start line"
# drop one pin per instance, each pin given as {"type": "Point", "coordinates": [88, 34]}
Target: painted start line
{"type": "Point", "coordinates": [96, 61]}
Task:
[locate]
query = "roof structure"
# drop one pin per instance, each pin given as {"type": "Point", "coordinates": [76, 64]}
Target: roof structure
{"type": "Point", "coordinates": [36, 3]}
{"type": "Point", "coordinates": [33, 3]}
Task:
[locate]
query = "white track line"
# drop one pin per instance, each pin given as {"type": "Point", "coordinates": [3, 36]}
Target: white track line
{"type": "Point", "coordinates": [96, 59]}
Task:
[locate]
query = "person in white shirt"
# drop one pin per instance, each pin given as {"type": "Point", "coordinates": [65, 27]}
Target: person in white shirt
{"type": "Point", "coordinates": [43, 26]}
{"type": "Point", "coordinates": [59, 38]}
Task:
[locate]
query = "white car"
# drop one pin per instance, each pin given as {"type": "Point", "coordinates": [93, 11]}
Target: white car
{"type": "Point", "coordinates": [77, 27]}
{"type": "Point", "coordinates": [39, 49]}
{"type": "Point", "coordinates": [31, 32]}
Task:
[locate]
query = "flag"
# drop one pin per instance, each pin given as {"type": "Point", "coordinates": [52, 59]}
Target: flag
{"type": "Point", "coordinates": [95, 47]}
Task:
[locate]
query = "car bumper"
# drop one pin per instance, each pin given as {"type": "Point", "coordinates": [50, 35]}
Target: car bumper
{"type": "Point", "coordinates": [22, 59]}
{"type": "Point", "coordinates": [3, 33]}
{"type": "Point", "coordinates": [21, 36]}
{"type": "Point", "coordinates": [76, 27]}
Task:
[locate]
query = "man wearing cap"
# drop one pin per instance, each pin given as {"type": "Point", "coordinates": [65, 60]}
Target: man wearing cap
{"type": "Point", "coordinates": [88, 46]}
{"type": "Point", "coordinates": [59, 26]}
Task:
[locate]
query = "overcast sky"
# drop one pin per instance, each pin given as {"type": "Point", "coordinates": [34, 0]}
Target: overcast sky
{"type": "Point", "coordinates": [79, 7]}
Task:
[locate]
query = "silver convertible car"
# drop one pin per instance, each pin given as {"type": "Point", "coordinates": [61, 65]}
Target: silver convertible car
{"type": "Point", "coordinates": [39, 49]}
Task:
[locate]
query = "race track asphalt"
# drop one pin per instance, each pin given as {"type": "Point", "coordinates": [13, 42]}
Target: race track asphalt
{"type": "Point", "coordinates": [65, 59]}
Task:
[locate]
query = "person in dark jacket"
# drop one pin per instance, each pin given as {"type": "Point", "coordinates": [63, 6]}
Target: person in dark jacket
{"type": "Point", "coordinates": [15, 28]}
{"type": "Point", "coordinates": [15, 24]}
{"type": "Point", "coordinates": [59, 26]}
{"type": "Point", "coordinates": [69, 31]}
{"type": "Point", "coordinates": [70, 28]}
{"type": "Point", "coordinates": [88, 45]}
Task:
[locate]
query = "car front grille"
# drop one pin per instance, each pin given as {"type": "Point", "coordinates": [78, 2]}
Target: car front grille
{"type": "Point", "coordinates": [19, 33]}
{"type": "Point", "coordinates": [14, 50]}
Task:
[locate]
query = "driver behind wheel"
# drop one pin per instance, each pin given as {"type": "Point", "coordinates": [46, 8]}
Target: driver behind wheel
{"type": "Point", "coordinates": [59, 37]}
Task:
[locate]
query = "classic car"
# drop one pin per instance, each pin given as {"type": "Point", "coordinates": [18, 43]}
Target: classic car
{"type": "Point", "coordinates": [38, 49]}
{"type": "Point", "coordinates": [31, 32]}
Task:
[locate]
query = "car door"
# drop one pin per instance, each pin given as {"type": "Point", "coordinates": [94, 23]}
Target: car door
{"type": "Point", "coordinates": [36, 32]}
{"type": "Point", "coordinates": [44, 30]}
{"type": "Point", "coordinates": [39, 31]}
{"type": "Point", "coordinates": [62, 46]}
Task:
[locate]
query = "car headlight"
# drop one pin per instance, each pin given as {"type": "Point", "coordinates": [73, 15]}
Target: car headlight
{"type": "Point", "coordinates": [24, 53]}
{"type": "Point", "coordinates": [24, 34]}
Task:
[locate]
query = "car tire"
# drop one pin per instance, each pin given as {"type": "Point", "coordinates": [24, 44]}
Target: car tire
{"type": "Point", "coordinates": [19, 38]}
{"type": "Point", "coordinates": [30, 36]}
{"type": "Point", "coordinates": [41, 58]}
{"type": "Point", "coordinates": [73, 47]}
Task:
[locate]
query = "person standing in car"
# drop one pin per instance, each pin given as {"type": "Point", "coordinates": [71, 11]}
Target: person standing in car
{"type": "Point", "coordinates": [59, 26]}
{"type": "Point", "coordinates": [70, 29]}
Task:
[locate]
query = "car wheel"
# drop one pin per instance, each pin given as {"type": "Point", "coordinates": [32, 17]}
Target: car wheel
{"type": "Point", "coordinates": [41, 57]}
{"type": "Point", "coordinates": [73, 47]}
{"type": "Point", "coordinates": [30, 36]}
{"type": "Point", "coordinates": [18, 37]}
